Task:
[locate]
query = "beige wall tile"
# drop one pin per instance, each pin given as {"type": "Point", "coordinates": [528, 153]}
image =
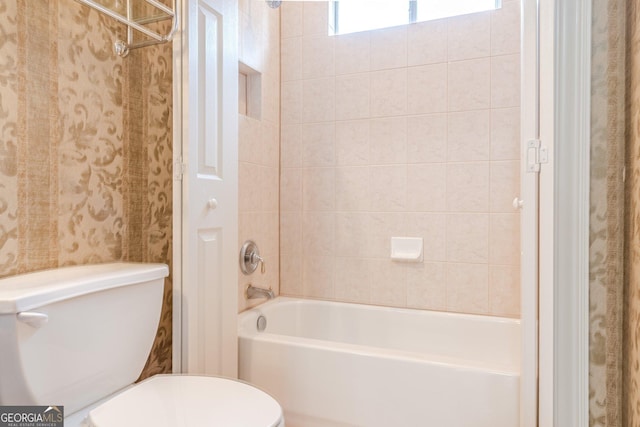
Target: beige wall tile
{"type": "Point", "coordinates": [390, 48]}
{"type": "Point", "coordinates": [269, 189]}
{"type": "Point", "coordinates": [388, 283]}
{"type": "Point", "coordinates": [319, 100]}
{"type": "Point", "coordinates": [469, 84]}
{"type": "Point", "coordinates": [248, 42]}
{"type": "Point", "coordinates": [383, 226]}
{"type": "Point", "coordinates": [469, 36]}
{"type": "Point", "coordinates": [291, 59]}
{"type": "Point", "coordinates": [468, 238]}
{"type": "Point", "coordinates": [427, 89]}
{"type": "Point", "coordinates": [353, 280]}
{"type": "Point", "coordinates": [505, 29]}
{"type": "Point", "coordinates": [270, 148]}
{"type": "Point", "coordinates": [427, 138]}
{"type": "Point", "coordinates": [291, 232]}
{"type": "Point", "coordinates": [468, 187]}
{"type": "Point", "coordinates": [318, 277]}
{"type": "Point", "coordinates": [248, 197]}
{"type": "Point", "coordinates": [432, 228]}
{"type": "Point", "coordinates": [504, 185]}
{"type": "Point", "coordinates": [318, 144]}
{"type": "Point", "coordinates": [257, 16]}
{"type": "Point", "coordinates": [315, 17]}
{"type": "Point", "coordinates": [352, 142]}
{"type": "Point", "coordinates": [388, 140]}
{"type": "Point", "coordinates": [505, 134]}
{"type": "Point", "coordinates": [244, 6]}
{"type": "Point", "coordinates": [468, 136]}
{"type": "Point", "coordinates": [427, 42]}
{"type": "Point", "coordinates": [352, 96]}
{"type": "Point", "coordinates": [271, 245]}
{"type": "Point", "coordinates": [291, 19]}
{"type": "Point", "coordinates": [291, 189]}
{"type": "Point", "coordinates": [505, 81]}
{"type": "Point", "coordinates": [291, 102]}
{"type": "Point", "coordinates": [427, 286]}
{"type": "Point", "coordinates": [318, 189]}
{"type": "Point", "coordinates": [291, 146]}
{"type": "Point", "coordinates": [388, 188]}
{"type": "Point", "coordinates": [504, 239]}
{"type": "Point", "coordinates": [318, 56]}
{"type": "Point", "coordinates": [248, 227]}
{"type": "Point", "coordinates": [318, 234]}
{"type": "Point", "coordinates": [271, 91]}
{"type": "Point", "coordinates": [389, 93]}
{"type": "Point", "coordinates": [271, 26]}
{"type": "Point", "coordinates": [468, 288]}
{"type": "Point", "coordinates": [427, 187]}
{"type": "Point", "coordinates": [504, 290]}
{"type": "Point", "coordinates": [353, 191]}
{"type": "Point", "coordinates": [291, 283]}
{"type": "Point", "coordinates": [353, 53]}
{"type": "Point", "coordinates": [351, 234]}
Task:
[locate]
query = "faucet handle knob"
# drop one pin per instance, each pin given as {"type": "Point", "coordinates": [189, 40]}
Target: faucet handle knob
{"type": "Point", "coordinates": [250, 258]}
{"type": "Point", "coordinates": [255, 259]}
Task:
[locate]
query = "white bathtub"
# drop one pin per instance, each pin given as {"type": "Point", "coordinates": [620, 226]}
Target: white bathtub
{"type": "Point", "coordinates": [335, 364]}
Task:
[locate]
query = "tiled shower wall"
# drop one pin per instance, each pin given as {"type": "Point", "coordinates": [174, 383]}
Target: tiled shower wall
{"type": "Point", "coordinates": [406, 131]}
{"type": "Point", "coordinates": [259, 141]}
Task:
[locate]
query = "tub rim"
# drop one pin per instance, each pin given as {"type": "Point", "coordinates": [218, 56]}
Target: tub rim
{"type": "Point", "coordinates": [248, 331]}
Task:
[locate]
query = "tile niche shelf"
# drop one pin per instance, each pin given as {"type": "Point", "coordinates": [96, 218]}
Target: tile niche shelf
{"type": "Point", "coordinates": [249, 91]}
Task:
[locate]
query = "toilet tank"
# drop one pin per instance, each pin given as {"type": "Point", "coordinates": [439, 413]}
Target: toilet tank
{"type": "Point", "coordinates": [74, 335]}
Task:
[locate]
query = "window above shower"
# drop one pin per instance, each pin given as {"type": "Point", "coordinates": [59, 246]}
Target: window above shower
{"type": "Point", "coordinates": [351, 16]}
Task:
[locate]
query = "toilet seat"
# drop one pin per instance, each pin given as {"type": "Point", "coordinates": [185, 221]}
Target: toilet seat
{"type": "Point", "coordinates": [188, 401]}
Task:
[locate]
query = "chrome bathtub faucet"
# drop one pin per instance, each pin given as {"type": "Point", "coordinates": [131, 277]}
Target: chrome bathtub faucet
{"type": "Point", "coordinates": [254, 292]}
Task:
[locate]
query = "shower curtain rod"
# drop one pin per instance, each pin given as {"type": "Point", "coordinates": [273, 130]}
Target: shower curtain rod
{"type": "Point", "coordinates": [121, 47]}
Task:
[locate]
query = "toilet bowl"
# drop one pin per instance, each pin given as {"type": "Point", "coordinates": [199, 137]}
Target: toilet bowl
{"type": "Point", "coordinates": [188, 401]}
{"type": "Point", "coordinates": [96, 326]}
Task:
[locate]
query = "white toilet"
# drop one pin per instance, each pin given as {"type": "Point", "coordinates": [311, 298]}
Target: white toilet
{"type": "Point", "coordinates": [80, 336]}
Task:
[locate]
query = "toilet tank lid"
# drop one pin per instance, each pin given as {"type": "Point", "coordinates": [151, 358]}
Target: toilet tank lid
{"type": "Point", "coordinates": [32, 290]}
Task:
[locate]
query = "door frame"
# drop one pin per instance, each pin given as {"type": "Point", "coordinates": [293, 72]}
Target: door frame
{"type": "Point", "coordinates": [565, 64]}
{"type": "Point", "coordinates": [565, 90]}
{"type": "Point", "coordinates": [178, 52]}
{"type": "Point", "coordinates": [529, 212]}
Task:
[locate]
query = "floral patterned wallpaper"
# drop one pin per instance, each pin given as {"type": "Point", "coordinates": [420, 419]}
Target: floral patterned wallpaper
{"type": "Point", "coordinates": [85, 147]}
{"type": "Point", "coordinates": [607, 213]}
{"type": "Point", "coordinates": [8, 137]}
{"type": "Point", "coordinates": [631, 364]}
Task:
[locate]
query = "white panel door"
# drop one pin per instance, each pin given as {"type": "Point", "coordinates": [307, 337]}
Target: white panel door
{"type": "Point", "coordinates": [210, 187]}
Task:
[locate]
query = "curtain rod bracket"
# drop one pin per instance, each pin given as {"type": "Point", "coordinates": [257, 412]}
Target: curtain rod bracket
{"type": "Point", "coordinates": [121, 48]}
